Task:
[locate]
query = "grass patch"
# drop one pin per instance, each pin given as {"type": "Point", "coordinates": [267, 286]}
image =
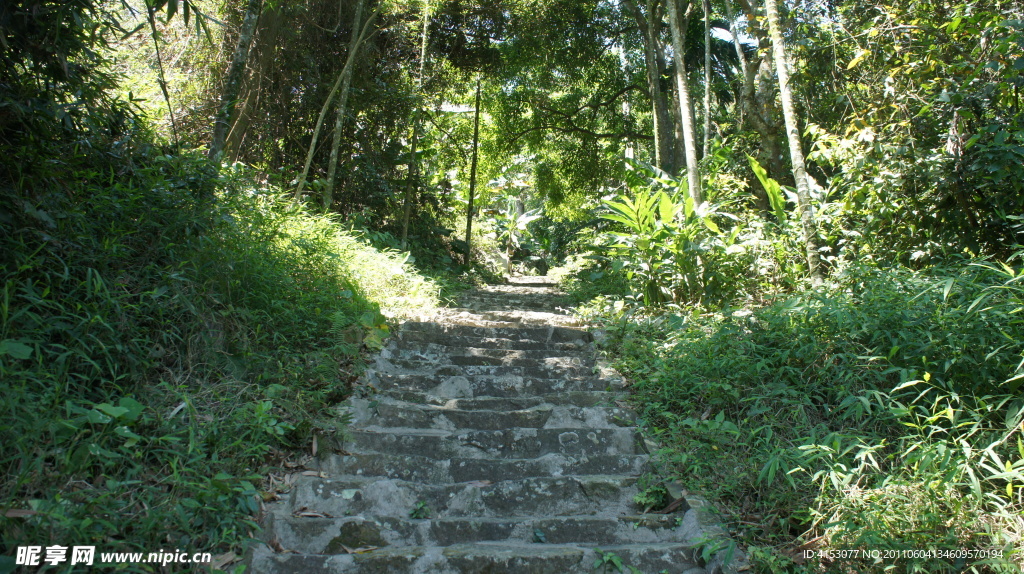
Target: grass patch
{"type": "Point", "coordinates": [161, 353]}
{"type": "Point", "coordinates": [882, 412]}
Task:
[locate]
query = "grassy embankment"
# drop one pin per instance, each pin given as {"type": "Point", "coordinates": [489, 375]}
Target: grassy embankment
{"type": "Point", "coordinates": [170, 337]}
{"type": "Point", "coordinates": [881, 412]}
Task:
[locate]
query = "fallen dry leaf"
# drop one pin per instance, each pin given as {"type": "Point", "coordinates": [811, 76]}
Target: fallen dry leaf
{"type": "Point", "coordinates": [479, 483]}
{"type": "Point", "coordinates": [19, 513]}
{"type": "Point", "coordinates": [316, 473]}
{"type": "Point", "coordinates": [222, 560]}
{"type": "Point", "coordinates": [362, 550]}
{"type": "Point", "coordinates": [307, 513]}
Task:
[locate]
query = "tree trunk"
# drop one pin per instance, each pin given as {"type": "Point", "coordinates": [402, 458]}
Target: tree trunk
{"type": "Point", "coordinates": [410, 184]}
{"type": "Point", "coordinates": [414, 162]}
{"type": "Point", "coordinates": [260, 65]}
{"type": "Point", "coordinates": [663, 156]}
{"type": "Point", "coordinates": [686, 114]}
{"type": "Point", "coordinates": [327, 103]}
{"type": "Point", "coordinates": [707, 78]}
{"type": "Point", "coordinates": [744, 104]}
{"type": "Point", "coordinates": [803, 188]}
{"type": "Point", "coordinates": [234, 79]}
{"type": "Point", "coordinates": [472, 177]}
{"type": "Point", "coordinates": [353, 47]}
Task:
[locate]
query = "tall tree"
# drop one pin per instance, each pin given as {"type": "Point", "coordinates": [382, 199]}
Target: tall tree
{"type": "Point", "coordinates": [649, 23]}
{"type": "Point", "coordinates": [707, 77]}
{"type": "Point", "coordinates": [803, 188]}
{"type": "Point", "coordinates": [234, 79]}
{"type": "Point", "coordinates": [413, 171]}
{"type": "Point", "coordinates": [355, 41]}
{"type": "Point", "coordinates": [756, 102]}
{"type": "Point", "coordinates": [341, 84]}
{"type": "Point", "coordinates": [472, 177]}
{"type": "Point", "coordinates": [677, 24]}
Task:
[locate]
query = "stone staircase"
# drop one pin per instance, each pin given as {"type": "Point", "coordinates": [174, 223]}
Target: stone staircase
{"type": "Point", "coordinates": [489, 440]}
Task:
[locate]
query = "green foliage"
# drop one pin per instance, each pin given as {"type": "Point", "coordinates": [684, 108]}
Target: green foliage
{"type": "Point", "coordinates": [611, 562]}
{"type": "Point", "coordinates": [420, 511]}
{"type": "Point", "coordinates": [882, 412]}
{"type": "Point", "coordinates": [161, 353]}
{"type": "Point", "coordinates": [675, 252]}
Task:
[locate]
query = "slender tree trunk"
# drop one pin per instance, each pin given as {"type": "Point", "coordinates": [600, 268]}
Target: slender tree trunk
{"type": "Point", "coordinates": [707, 78]}
{"type": "Point", "coordinates": [260, 66]}
{"type": "Point", "coordinates": [677, 26]}
{"type": "Point", "coordinates": [410, 184]}
{"type": "Point", "coordinates": [161, 77]}
{"type": "Point", "coordinates": [472, 177]}
{"type": "Point", "coordinates": [803, 188]}
{"type": "Point", "coordinates": [414, 162]}
{"type": "Point", "coordinates": [349, 62]}
{"type": "Point", "coordinates": [339, 120]}
{"type": "Point", "coordinates": [655, 67]}
{"type": "Point", "coordinates": [744, 103]}
{"type": "Point", "coordinates": [234, 79]}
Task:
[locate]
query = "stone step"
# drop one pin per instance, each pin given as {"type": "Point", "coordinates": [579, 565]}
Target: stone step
{"type": "Point", "coordinates": [385, 412]}
{"type": "Point", "coordinates": [574, 398]}
{"type": "Point", "coordinates": [539, 496]}
{"type": "Point", "coordinates": [451, 340]}
{"type": "Point", "coordinates": [508, 318]}
{"type": "Point", "coordinates": [486, 439]}
{"type": "Point", "coordinates": [491, 301]}
{"type": "Point", "coordinates": [510, 385]}
{"type": "Point", "coordinates": [483, 558]}
{"type": "Point", "coordinates": [332, 535]}
{"type": "Point", "coordinates": [458, 355]}
{"type": "Point", "coordinates": [536, 334]}
{"type": "Point", "coordinates": [470, 367]}
{"type": "Point", "coordinates": [461, 469]}
{"type": "Point", "coordinates": [514, 443]}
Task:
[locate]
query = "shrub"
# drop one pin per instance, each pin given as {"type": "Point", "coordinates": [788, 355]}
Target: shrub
{"type": "Point", "coordinates": [881, 412]}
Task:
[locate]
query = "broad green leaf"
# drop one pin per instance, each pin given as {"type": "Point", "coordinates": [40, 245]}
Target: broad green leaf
{"type": "Point", "coordinates": [773, 189]}
{"type": "Point", "coordinates": [711, 225]}
{"type": "Point", "coordinates": [15, 349]}
{"type": "Point", "coordinates": [111, 410]}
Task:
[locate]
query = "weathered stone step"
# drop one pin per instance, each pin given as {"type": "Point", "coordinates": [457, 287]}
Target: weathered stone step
{"type": "Point", "coordinates": [536, 334]}
{"type": "Point", "coordinates": [548, 370]}
{"type": "Point", "coordinates": [331, 535]}
{"type": "Point", "coordinates": [389, 412]}
{"type": "Point", "coordinates": [491, 301]}
{"type": "Point", "coordinates": [539, 496]}
{"type": "Point", "coordinates": [482, 558]}
{"type": "Point", "coordinates": [457, 355]}
{"type": "Point", "coordinates": [508, 318]}
{"type": "Point", "coordinates": [510, 385]}
{"type": "Point", "coordinates": [462, 469]}
{"type": "Point", "coordinates": [514, 443]}
{"type": "Point", "coordinates": [487, 342]}
{"type": "Point", "coordinates": [576, 398]}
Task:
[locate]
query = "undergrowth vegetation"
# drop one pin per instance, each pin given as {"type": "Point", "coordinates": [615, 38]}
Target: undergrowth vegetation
{"type": "Point", "coordinates": [168, 335]}
{"type": "Point", "coordinates": [881, 412]}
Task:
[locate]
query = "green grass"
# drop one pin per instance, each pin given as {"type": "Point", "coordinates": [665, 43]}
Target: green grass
{"type": "Point", "coordinates": [161, 354]}
{"type": "Point", "coordinates": [882, 412]}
